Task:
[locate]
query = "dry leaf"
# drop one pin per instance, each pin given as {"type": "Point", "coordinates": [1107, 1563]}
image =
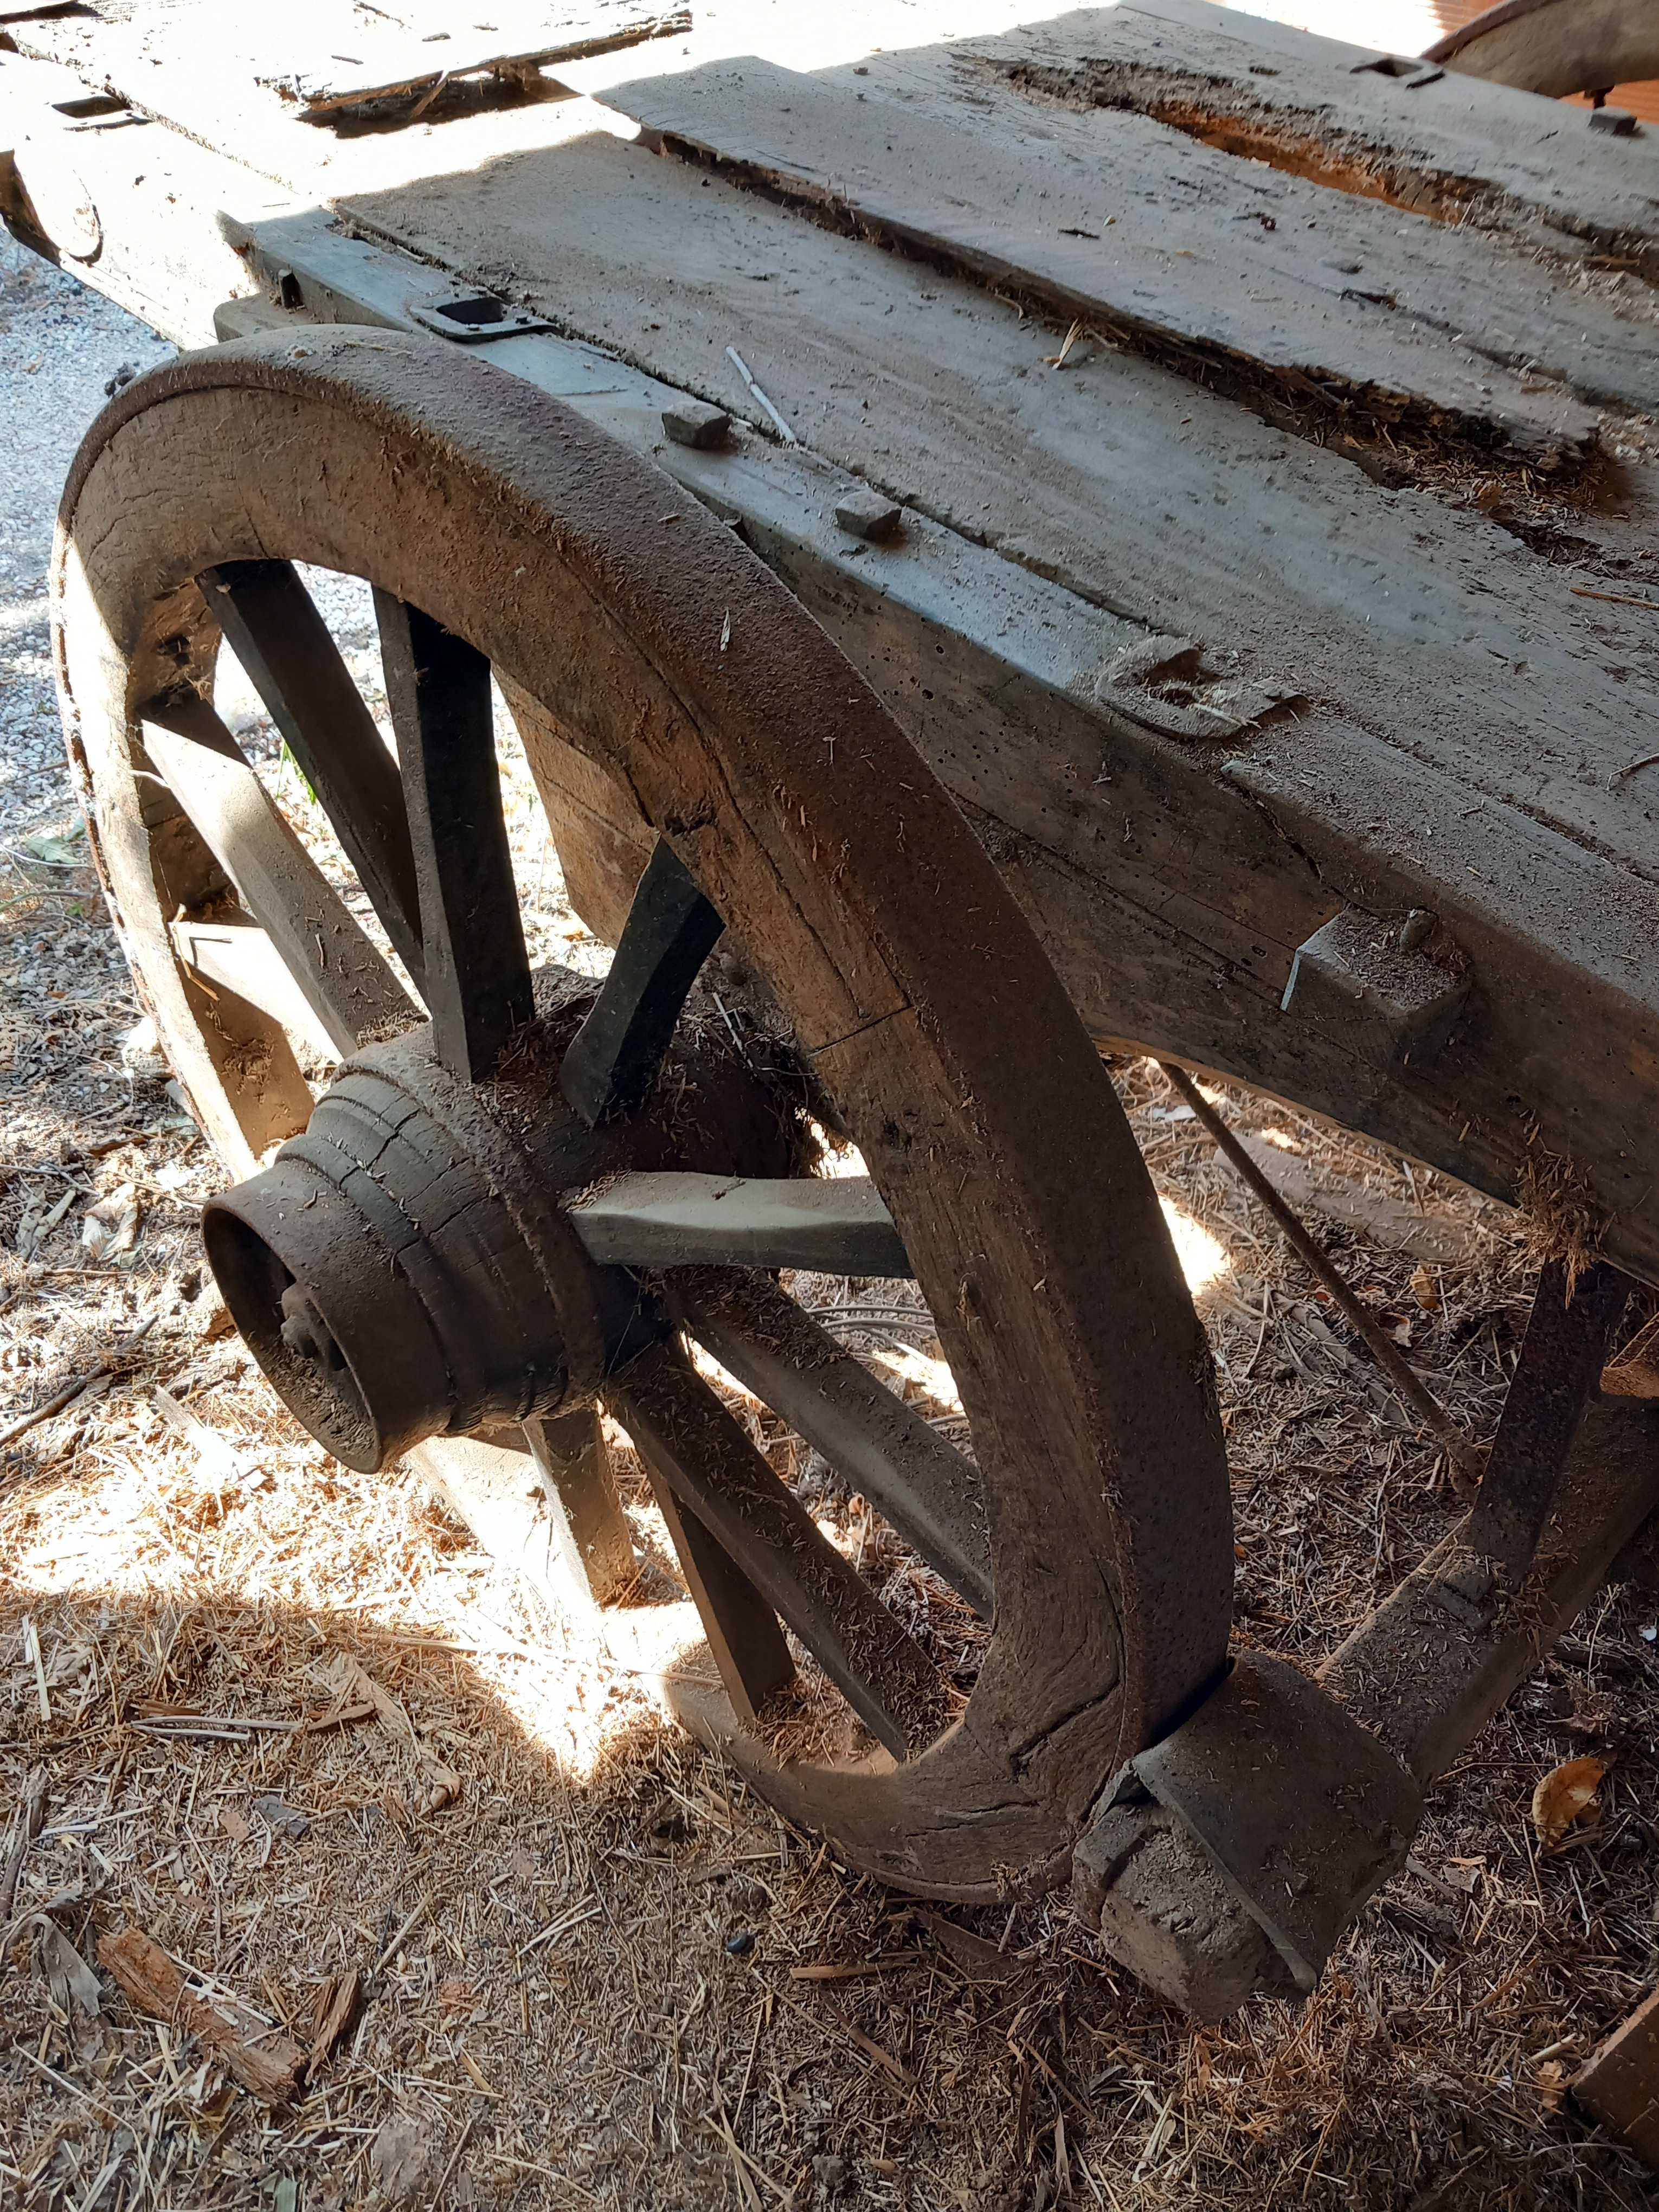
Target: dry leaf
{"type": "Point", "coordinates": [111, 1225]}
{"type": "Point", "coordinates": [67, 1973]}
{"type": "Point", "coordinates": [403, 2159]}
{"type": "Point", "coordinates": [1564, 1795]}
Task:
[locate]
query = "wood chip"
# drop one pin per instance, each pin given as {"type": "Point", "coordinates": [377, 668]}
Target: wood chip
{"type": "Point", "coordinates": [337, 2001]}
{"type": "Point", "coordinates": [1620, 2083]}
{"type": "Point", "coordinates": [254, 2052]}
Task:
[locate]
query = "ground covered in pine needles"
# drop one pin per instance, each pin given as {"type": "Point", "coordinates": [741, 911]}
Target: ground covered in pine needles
{"type": "Point", "coordinates": [286, 1731]}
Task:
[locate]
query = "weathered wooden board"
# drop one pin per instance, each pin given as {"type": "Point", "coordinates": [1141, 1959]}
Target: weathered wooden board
{"type": "Point", "coordinates": [215, 75]}
{"type": "Point", "coordinates": [1135, 226]}
{"type": "Point", "coordinates": [412, 49]}
{"type": "Point", "coordinates": [1140, 490]}
{"type": "Point", "coordinates": [1365, 120]}
{"type": "Point", "coordinates": [328, 57]}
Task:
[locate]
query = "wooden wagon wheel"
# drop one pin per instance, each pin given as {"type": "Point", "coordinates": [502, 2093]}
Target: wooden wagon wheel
{"type": "Point", "coordinates": [502, 533]}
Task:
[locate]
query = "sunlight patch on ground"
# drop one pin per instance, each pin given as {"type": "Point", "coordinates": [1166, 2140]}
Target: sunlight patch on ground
{"type": "Point", "coordinates": [1205, 1259]}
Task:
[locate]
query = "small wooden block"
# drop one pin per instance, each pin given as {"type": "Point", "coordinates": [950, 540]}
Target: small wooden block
{"type": "Point", "coordinates": [869, 514]}
{"type": "Point", "coordinates": [1620, 2083]}
{"type": "Point", "coordinates": [694, 422]}
{"type": "Point", "coordinates": [1363, 976]}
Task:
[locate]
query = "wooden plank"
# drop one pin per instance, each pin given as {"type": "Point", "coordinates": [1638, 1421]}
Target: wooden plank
{"type": "Point", "coordinates": [693, 1445]}
{"type": "Point", "coordinates": [837, 1225]}
{"type": "Point", "coordinates": [589, 1527]}
{"type": "Point", "coordinates": [351, 992]}
{"type": "Point", "coordinates": [241, 957]}
{"type": "Point", "coordinates": [1120, 221]}
{"type": "Point", "coordinates": [166, 260]}
{"type": "Point", "coordinates": [416, 48]}
{"type": "Point", "coordinates": [1436, 629]}
{"type": "Point", "coordinates": [199, 68]}
{"type": "Point", "coordinates": [1323, 108]}
{"type": "Point", "coordinates": [750, 1648]}
{"type": "Point", "coordinates": [928, 1490]}
{"type": "Point", "coordinates": [475, 972]}
{"type": "Point", "coordinates": [273, 627]}
{"type": "Point", "coordinates": [612, 1062]}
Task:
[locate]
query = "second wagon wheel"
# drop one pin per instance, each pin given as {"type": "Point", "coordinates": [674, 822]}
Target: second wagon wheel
{"type": "Point", "coordinates": [412, 1261]}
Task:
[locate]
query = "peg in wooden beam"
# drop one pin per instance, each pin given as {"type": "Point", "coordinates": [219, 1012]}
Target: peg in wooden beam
{"type": "Point", "coordinates": [1388, 984]}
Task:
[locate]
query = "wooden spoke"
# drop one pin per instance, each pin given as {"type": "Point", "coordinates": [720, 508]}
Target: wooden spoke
{"type": "Point", "coordinates": [670, 932]}
{"type": "Point", "coordinates": [274, 630]}
{"type": "Point", "coordinates": [348, 987]}
{"type": "Point", "coordinates": [929, 1491]}
{"type": "Point", "coordinates": [750, 1648]}
{"type": "Point", "coordinates": [590, 1529]}
{"type": "Point", "coordinates": [477, 977]}
{"type": "Point", "coordinates": [1562, 1356]}
{"type": "Point", "coordinates": [838, 1225]}
{"type": "Point", "coordinates": [693, 1444]}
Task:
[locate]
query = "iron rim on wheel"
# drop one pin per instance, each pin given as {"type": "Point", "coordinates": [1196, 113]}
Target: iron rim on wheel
{"type": "Point", "coordinates": [501, 534]}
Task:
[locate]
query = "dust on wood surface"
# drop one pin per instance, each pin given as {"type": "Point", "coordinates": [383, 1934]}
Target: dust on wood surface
{"type": "Point", "coordinates": [376, 1806]}
{"type": "Point", "coordinates": [237, 1680]}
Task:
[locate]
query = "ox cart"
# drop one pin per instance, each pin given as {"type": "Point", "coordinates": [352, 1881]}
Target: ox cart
{"type": "Point", "coordinates": [1002, 544]}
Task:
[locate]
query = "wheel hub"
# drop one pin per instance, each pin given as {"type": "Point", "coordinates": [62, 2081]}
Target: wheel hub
{"type": "Point", "coordinates": [404, 1268]}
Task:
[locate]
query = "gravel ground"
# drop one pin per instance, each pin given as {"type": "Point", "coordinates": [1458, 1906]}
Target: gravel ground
{"type": "Point", "coordinates": [295, 1727]}
{"type": "Point", "coordinates": [65, 983]}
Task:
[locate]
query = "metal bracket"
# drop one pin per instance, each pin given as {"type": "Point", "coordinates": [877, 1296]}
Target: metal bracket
{"type": "Point", "coordinates": [474, 318]}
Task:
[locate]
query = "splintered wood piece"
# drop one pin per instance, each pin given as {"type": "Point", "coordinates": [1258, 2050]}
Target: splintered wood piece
{"type": "Point", "coordinates": [750, 1649]}
{"type": "Point", "coordinates": [348, 988]}
{"type": "Point", "coordinates": [274, 628]}
{"type": "Point", "coordinates": [336, 2012]}
{"type": "Point", "coordinates": [477, 972]}
{"type": "Point", "coordinates": [238, 956]}
{"type": "Point", "coordinates": [590, 1530]}
{"type": "Point", "coordinates": [261, 2058]}
{"type": "Point", "coordinates": [671, 930]}
{"type": "Point", "coordinates": [929, 1491]}
{"type": "Point", "coordinates": [836, 1224]}
{"type": "Point", "coordinates": [1620, 2082]}
{"type": "Point", "coordinates": [688, 1439]}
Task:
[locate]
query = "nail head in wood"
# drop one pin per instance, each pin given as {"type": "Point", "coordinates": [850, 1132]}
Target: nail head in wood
{"type": "Point", "coordinates": [694, 422]}
{"type": "Point", "coordinates": [870, 515]}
